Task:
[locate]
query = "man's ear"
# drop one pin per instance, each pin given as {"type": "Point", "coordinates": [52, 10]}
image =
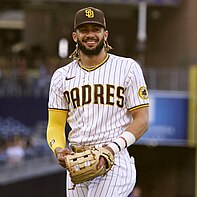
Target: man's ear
{"type": "Point", "coordinates": [74, 35]}
{"type": "Point", "coordinates": [106, 33]}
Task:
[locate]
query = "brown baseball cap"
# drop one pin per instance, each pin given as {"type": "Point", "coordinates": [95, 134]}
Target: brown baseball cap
{"type": "Point", "coordinates": [89, 15]}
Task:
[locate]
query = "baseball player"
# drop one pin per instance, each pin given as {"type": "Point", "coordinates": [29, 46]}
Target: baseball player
{"type": "Point", "coordinates": [104, 99]}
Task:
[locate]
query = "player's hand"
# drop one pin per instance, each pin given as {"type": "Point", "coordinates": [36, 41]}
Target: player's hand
{"type": "Point", "coordinates": [102, 161]}
{"type": "Point", "coordinates": [61, 154]}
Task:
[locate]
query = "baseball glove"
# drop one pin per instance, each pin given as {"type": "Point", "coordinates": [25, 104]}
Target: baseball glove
{"type": "Point", "coordinates": [82, 166]}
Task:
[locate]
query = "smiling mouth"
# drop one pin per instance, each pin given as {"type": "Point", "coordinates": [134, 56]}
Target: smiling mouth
{"type": "Point", "coordinates": [90, 41]}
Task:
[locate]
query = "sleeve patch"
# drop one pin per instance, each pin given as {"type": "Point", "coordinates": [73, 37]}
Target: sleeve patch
{"type": "Point", "coordinates": [143, 93]}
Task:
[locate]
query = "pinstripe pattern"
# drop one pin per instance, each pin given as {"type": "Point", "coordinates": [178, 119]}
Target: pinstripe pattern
{"type": "Point", "coordinates": [98, 101]}
{"type": "Point", "coordinates": [98, 123]}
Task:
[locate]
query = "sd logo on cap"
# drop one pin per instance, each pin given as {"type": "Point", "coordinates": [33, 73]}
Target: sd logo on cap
{"type": "Point", "coordinates": [89, 13]}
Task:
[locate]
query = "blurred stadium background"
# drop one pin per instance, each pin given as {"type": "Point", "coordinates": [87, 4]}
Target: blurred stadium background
{"type": "Point", "coordinates": [35, 39]}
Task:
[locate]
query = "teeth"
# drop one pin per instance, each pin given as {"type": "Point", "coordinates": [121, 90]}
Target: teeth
{"type": "Point", "coordinates": [90, 42]}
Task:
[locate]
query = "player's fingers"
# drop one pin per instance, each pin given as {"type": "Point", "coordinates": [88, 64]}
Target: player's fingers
{"type": "Point", "coordinates": [67, 151]}
{"type": "Point", "coordinates": [61, 157]}
{"type": "Point", "coordinates": [62, 152]}
{"type": "Point", "coordinates": [61, 163]}
{"type": "Point", "coordinates": [101, 163]}
{"type": "Point", "coordinates": [61, 160]}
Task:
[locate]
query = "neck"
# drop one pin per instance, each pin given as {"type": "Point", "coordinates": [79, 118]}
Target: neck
{"type": "Point", "coordinates": [92, 61]}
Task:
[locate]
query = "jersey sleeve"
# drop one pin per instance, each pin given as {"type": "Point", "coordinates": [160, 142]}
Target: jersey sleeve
{"type": "Point", "coordinates": [56, 93]}
{"type": "Point", "coordinates": [136, 92]}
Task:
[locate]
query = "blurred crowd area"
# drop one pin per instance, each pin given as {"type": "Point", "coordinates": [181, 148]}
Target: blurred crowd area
{"type": "Point", "coordinates": [27, 73]}
{"type": "Point", "coordinates": [19, 143]}
{"type": "Point", "coordinates": [24, 74]}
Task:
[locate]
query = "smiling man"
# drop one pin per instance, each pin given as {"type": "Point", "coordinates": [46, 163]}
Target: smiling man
{"type": "Point", "coordinates": [104, 99]}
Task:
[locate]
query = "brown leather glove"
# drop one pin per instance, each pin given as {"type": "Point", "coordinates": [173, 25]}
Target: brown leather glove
{"type": "Point", "coordinates": [82, 166]}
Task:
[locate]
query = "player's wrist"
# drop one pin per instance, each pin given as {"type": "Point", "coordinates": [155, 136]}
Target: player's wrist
{"type": "Point", "coordinates": [123, 141]}
{"type": "Point", "coordinates": [110, 149]}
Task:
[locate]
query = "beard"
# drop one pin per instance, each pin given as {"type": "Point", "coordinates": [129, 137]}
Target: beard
{"type": "Point", "coordinates": [91, 52]}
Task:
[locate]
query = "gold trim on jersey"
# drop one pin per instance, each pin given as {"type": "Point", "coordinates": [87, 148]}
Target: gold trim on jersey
{"type": "Point", "coordinates": [95, 67]}
{"type": "Point", "coordinates": [55, 109]}
{"type": "Point", "coordinates": [139, 106]}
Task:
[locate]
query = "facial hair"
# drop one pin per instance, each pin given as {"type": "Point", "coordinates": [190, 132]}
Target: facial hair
{"type": "Point", "coordinates": [91, 52]}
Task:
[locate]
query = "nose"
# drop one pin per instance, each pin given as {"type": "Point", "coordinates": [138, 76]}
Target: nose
{"type": "Point", "coordinates": [90, 35]}
{"type": "Point", "coordinates": [90, 32]}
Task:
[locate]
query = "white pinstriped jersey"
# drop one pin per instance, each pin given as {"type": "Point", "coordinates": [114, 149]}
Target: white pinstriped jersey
{"type": "Point", "coordinates": [98, 100]}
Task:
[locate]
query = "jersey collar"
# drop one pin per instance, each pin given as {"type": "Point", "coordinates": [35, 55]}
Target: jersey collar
{"type": "Point", "coordinates": [91, 69]}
